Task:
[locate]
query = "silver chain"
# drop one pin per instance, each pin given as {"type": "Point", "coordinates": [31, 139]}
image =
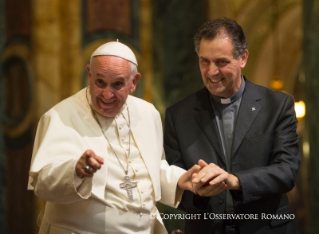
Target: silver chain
{"type": "Point", "coordinates": [129, 126]}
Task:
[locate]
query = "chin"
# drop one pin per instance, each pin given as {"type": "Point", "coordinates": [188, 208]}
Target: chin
{"type": "Point", "coordinates": [217, 93]}
{"type": "Point", "coordinates": [111, 113]}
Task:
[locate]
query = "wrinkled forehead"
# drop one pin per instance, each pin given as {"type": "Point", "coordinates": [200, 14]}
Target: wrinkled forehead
{"type": "Point", "coordinates": [108, 65]}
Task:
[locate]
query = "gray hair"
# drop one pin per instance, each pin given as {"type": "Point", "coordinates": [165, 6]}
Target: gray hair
{"type": "Point", "coordinates": [213, 28]}
{"type": "Point", "coordinates": [133, 69]}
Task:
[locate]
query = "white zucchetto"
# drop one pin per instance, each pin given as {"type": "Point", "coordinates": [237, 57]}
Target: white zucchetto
{"type": "Point", "coordinates": [116, 48]}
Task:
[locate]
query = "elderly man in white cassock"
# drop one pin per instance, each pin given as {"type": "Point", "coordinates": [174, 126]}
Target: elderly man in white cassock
{"type": "Point", "coordinates": [97, 157]}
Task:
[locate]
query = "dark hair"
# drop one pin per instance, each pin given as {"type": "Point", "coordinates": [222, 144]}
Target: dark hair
{"type": "Point", "coordinates": [212, 28]}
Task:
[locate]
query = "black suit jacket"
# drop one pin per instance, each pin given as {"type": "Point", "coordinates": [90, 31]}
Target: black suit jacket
{"type": "Point", "coordinates": [265, 158]}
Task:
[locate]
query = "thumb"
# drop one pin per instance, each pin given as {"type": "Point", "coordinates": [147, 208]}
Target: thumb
{"type": "Point", "coordinates": [194, 170]}
{"type": "Point", "coordinates": [202, 163]}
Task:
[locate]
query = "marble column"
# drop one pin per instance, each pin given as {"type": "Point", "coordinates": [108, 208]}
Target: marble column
{"type": "Point", "coordinates": [311, 61]}
{"type": "Point", "coordinates": [56, 55]}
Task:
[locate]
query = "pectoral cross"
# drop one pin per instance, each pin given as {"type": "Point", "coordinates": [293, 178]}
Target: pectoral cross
{"type": "Point", "coordinates": [128, 185]}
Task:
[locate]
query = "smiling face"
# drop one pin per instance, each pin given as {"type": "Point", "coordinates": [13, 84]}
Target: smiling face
{"type": "Point", "coordinates": [111, 81]}
{"type": "Point", "coordinates": [220, 70]}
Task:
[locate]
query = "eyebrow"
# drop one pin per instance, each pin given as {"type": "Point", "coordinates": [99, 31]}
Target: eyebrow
{"type": "Point", "coordinates": [220, 58]}
{"type": "Point", "coordinates": [99, 74]}
{"type": "Point", "coordinates": [119, 79]}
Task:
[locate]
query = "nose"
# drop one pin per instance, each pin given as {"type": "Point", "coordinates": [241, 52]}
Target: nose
{"type": "Point", "coordinates": [108, 93]}
{"type": "Point", "coordinates": [213, 69]}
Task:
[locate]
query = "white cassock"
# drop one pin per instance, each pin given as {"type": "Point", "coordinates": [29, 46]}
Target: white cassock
{"type": "Point", "coordinates": [98, 204]}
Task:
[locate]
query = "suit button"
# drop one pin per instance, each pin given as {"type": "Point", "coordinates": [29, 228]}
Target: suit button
{"type": "Point", "coordinates": [220, 200]}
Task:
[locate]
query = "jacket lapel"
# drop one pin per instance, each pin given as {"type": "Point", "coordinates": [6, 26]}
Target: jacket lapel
{"type": "Point", "coordinates": [205, 117]}
{"type": "Point", "coordinates": [249, 109]}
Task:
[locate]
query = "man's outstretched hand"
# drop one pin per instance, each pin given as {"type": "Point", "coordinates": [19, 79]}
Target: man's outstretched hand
{"type": "Point", "coordinates": [90, 159]}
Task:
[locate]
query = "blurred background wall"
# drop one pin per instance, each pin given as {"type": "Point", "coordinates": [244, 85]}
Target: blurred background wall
{"type": "Point", "coordinates": [46, 44]}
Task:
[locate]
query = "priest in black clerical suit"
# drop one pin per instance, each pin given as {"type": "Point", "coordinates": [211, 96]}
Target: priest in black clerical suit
{"type": "Point", "coordinates": [245, 135]}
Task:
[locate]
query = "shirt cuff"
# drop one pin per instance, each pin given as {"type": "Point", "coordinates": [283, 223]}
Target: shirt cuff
{"type": "Point", "coordinates": [77, 180]}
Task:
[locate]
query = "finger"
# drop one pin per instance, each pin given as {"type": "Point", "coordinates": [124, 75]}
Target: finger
{"type": "Point", "coordinates": [209, 176]}
{"type": "Point", "coordinates": [91, 154]}
{"type": "Point", "coordinates": [99, 159]}
{"type": "Point", "coordinates": [208, 168]}
{"type": "Point", "coordinates": [218, 179]}
{"type": "Point", "coordinates": [199, 176]}
{"type": "Point", "coordinates": [207, 172]}
{"type": "Point", "coordinates": [202, 163]}
{"type": "Point", "coordinates": [197, 187]}
{"type": "Point", "coordinates": [194, 169]}
{"type": "Point", "coordinates": [211, 190]}
{"type": "Point", "coordinates": [224, 185]}
{"type": "Point", "coordinates": [81, 164]}
{"type": "Point", "coordinates": [91, 162]}
{"type": "Point", "coordinates": [90, 170]}
{"type": "Point", "coordinates": [208, 190]}
{"type": "Point", "coordinates": [212, 172]}
{"type": "Point", "coordinates": [194, 175]}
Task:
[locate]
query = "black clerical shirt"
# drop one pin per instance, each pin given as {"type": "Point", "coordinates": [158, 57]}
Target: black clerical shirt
{"type": "Point", "coordinates": [226, 112]}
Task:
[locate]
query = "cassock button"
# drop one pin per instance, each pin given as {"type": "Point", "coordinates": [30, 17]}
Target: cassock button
{"type": "Point", "coordinates": [141, 214]}
{"type": "Point", "coordinates": [142, 192]}
{"type": "Point", "coordinates": [143, 203]}
{"type": "Point", "coordinates": [220, 200]}
{"type": "Point", "coordinates": [136, 170]}
{"type": "Point", "coordinates": [123, 138]}
{"type": "Point", "coordinates": [120, 127]}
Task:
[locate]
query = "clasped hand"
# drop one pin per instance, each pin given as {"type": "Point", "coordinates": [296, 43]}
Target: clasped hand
{"type": "Point", "coordinates": [211, 180]}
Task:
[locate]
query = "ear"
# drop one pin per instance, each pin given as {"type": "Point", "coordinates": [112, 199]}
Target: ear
{"type": "Point", "coordinates": [88, 70]}
{"type": "Point", "coordinates": [244, 58]}
{"type": "Point", "coordinates": [135, 79]}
